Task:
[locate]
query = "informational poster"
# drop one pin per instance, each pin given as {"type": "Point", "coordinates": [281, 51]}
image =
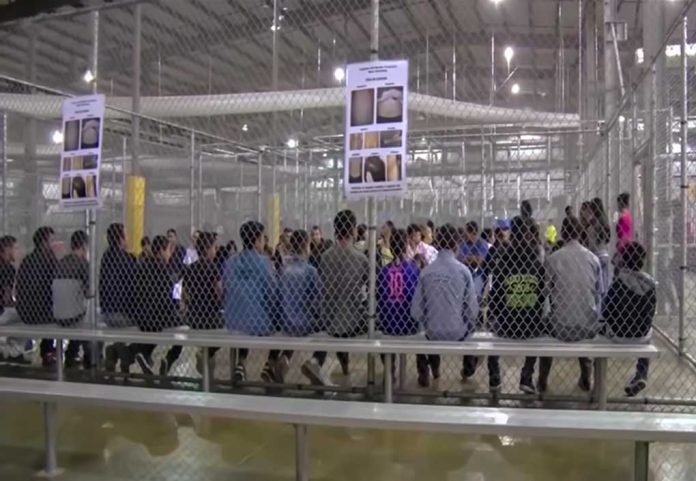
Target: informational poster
{"type": "Point", "coordinates": [83, 125]}
{"type": "Point", "coordinates": [376, 129]}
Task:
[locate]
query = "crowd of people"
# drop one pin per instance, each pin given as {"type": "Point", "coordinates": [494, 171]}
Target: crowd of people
{"type": "Point", "coordinates": [445, 282]}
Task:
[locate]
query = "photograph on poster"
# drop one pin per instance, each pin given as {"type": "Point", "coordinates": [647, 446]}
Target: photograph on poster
{"type": "Point", "coordinates": [77, 163]}
{"type": "Point", "coordinates": [375, 170]}
{"type": "Point", "coordinates": [356, 141]}
{"type": "Point", "coordinates": [83, 187]}
{"type": "Point", "coordinates": [71, 136]}
{"type": "Point", "coordinates": [90, 133]}
{"type": "Point", "coordinates": [67, 164]}
{"type": "Point", "coordinates": [65, 188]}
{"type": "Point", "coordinates": [89, 162]}
{"type": "Point", "coordinates": [91, 181]}
{"type": "Point", "coordinates": [371, 140]}
{"type": "Point", "coordinates": [355, 170]}
{"type": "Point", "coordinates": [362, 107]}
{"type": "Point", "coordinates": [390, 138]}
{"type": "Point", "coordinates": [393, 167]}
{"type": "Point", "coordinates": [390, 104]}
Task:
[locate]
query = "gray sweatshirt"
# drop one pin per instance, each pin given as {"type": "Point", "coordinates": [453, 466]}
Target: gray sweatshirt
{"type": "Point", "coordinates": [70, 286]}
{"type": "Point", "coordinates": [445, 300]}
{"type": "Point", "coordinates": [574, 282]}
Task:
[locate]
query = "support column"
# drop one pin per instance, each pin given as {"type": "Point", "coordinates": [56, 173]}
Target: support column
{"type": "Point", "coordinates": [684, 186]}
{"type": "Point", "coordinates": [611, 97]}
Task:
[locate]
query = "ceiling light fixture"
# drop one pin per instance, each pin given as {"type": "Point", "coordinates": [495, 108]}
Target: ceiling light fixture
{"type": "Point", "coordinates": [339, 74]}
{"type": "Point", "coordinates": [88, 77]}
{"type": "Point", "coordinates": [57, 137]}
{"type": "Point", "coordinates": [292, 143]}
{"type": "Point", "coordinates": [245, 128]}
{"type": "Point", "coordinates": [515, 89]}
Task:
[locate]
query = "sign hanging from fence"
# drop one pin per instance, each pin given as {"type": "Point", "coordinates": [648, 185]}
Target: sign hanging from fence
{"type": "Point", "coordinates": [376, 129]}
{"type": "Point", "coordinates": [83, 125]}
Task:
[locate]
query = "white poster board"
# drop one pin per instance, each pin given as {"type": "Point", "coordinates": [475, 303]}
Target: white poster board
{"type": "Point", "coordinates": [376, 129]}
{"type": "Point", "coordinates": [83, 126]}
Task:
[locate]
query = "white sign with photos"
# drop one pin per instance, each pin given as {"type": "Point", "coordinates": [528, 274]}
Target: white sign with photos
{"type": "Point", "coordinates": [83, 126]}
{"type": "Point", "coordinates": [376, 129]}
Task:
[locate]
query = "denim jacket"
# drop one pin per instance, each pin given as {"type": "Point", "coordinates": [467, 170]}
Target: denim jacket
{"type": "Point", "coordinates": [250, 294]}
{"type": "Point", "coordinates": [299, 297]}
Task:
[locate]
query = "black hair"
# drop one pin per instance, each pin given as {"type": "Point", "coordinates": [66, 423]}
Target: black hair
{"type": "Point", "coordinates": [42, 235]}
{"type": "Point", "coordinates": [623, 199]}
{"type": "Point", "coordinates": [430, 224]}
{"type": "Point", "coordinates": [344, 224]}
{"type": "Point", "coordinates": [316, 227]}
{"type": "Point", "coordinates": [78, 240]}
{"type": "Point", "coordinates": [526, 209]}
{"type": "Point", "coordinates": [172, 231]}
{"type": "Point", "coordinates": [231, 247]}
{"type": "Point", "coordinates": [412, 229]}
{"type": "Point", "coordinates": [362, 230]}
{"type": "Point", "coordinates": [115, 233]}
{"type": "Point", "coordinates": [520, 228]}
{"type": "Point", "coordinates": [250, 232]}
{"type": "Point", "coordinates": [159, 244]}
{"type": "Point", "coordinates": [633, 256]}
{"type": "Point", "coordinates": [145, 241]}
{"type": "Point", "coordinates": [471, 226]}
{"type": "Point", "coordinates": [298, 241]}
{"type": "Point", "coordinates": [398, 243]}
{"type": "Point", "coordinates": [204, 242]}
{"type": "Point", "coordinates": [571, 229]}
{"type": "Point", "coordinates": [568, 210]}
{"type": "Point", "coordinates": [6, 242]}
{"type": "Point", "coordinates": [447, 237]}
{"type": "Point", "coordinates": [487, 234]}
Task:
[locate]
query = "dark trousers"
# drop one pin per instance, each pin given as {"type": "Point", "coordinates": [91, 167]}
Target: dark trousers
{"type": "Point", "coordinates": [642, 367]}
{"type": "Point", "coordinates": [47, 346]}
{"type": "Point", "coordinates": [147, 350]}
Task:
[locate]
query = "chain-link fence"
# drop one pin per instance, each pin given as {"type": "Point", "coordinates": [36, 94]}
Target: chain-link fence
{"type": "Point", "coordinates": [223, 205]}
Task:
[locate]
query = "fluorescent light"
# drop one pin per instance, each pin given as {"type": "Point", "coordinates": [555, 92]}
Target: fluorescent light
{"type": "Point", "coordinates": [88, 77]}
{"type": "Point", "coordinates": [245, 128]}
{"type": "Point", "coordinates": [508, 54]}
{"type": "Point", "coordinates": [57, 137]}
{"type": "Point", "coordinates": [515, 89]}
{"type": "Point", "coordinates": [292, 143]}
{"type": "Point", "coordinates": [339, 74]}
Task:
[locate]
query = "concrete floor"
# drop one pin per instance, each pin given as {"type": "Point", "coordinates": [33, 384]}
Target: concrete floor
{"type": "Point", "coordinates": [113, 445]}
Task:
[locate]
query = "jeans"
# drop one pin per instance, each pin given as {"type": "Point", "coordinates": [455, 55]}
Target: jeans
{"type": "Point", "coordinates": [642, 367]}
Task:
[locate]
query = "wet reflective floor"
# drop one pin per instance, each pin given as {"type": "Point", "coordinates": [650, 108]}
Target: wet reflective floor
{"type": "Point", "coordinates": [119, 445]}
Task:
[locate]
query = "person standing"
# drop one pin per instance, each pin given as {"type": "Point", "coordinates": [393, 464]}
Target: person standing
{"type": "Point", "coordinates": [318, 246]}
{"type": "Point", "coordinates": [11, 349]}
{"type": "Point", "coordinates": [445, 304]}
{"type": "Point", "coordinates": [574, 280]}
{"type": "Point", "coordinates": [35, 275]}
{"type": "Point", "coordinates": [417, 250]}
{"type": "Point", "coordinates": [178, 253]}
{"type": "Point", "coordinates": [596, 233]}
{"type": "Point", "coordinates": [624, 225]}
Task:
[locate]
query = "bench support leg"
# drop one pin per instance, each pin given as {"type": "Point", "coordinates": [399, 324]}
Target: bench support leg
{"type": "Point", "coordinates": [388, 379]}
{"type": "Point", "coordinates": [600, 379]}
{"type": "Point", "coordinates": [51, 468]}
{"type": "Point", "coordinates": [234, 358]}
{"type": "Point", "coordinates": [403, 368]}
{"type": "Point", "coordinates": [641, 461]}
{"type": "Point", "coordinates": [60, 358]}
{"type": "Point", "coordinates": [206, 369]}
{"type": "Point", "coordinates": [301, 453]}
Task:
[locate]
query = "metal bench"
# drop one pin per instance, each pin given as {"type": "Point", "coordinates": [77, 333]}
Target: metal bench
{"type": "Point", "coordinates": [480, 345]}
{"type": "Point", "coordinates": [640, 428]}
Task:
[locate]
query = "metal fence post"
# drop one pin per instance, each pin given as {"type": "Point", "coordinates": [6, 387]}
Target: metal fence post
{"type": "Point", "coordinates": [684, 185]}
{"type": "Point", "coordinates": [641, 461]}
{"type": "Point", "coordinates": [51, 468]}
{"type": "Point", "coordinates": [91, 214]}
{"type": "Point", "coordinates": [649, 180]}
{"type": "Point", "coordinates": [192, 182]}
{"type": "Point", "coordinates": [301, 453]}
{"type": "Point", "coordinates": [4, 174]}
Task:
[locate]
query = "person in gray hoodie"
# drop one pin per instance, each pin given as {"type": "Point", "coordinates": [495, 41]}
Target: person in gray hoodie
{"type": "Point", "coordinates": [70, 289]}
{"type": "Point", "coordinates": [574, 281]}
{"type": "Point", "coordinates": [629, 309]}
{"type": "Point", "coordinates": [445, 304]}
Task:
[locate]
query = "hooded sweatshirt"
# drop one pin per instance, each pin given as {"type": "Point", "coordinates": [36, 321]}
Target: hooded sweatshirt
{"type": "Point", "coordinates": [629, 306]}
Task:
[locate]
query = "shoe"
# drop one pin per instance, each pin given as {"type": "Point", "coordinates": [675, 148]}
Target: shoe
{"type": "Point", "coordinates": [527, 385]}
{"type": "Point", "coordinates": [164, 367]}
{"type": "Point", "coordinates": [281, 369]}
{"type": "Point", "coordinates": [494, 384]}
{"type": "Point", "coordinates": [424, 377]}
{"type": "Point", "coordinates": [18, 359]}
{"type": "Point", "coordinates": [239, 373]}
{"type": "Point", "coordinates": [110, 358]}
{"type": "Point", "coordinates": [48, 359]}
{"type": "Point", "coordinates": [542, 385]}
{"type": "Point", "coordinates": [71, 363]}
{"type": "Point", "coordinates": [124, 356]}
{"type": "Point", "coordinates": [584, 383]}
{"type": "Point", "coordinates": [267, 374]}
{"type": "Point", "coordinates": [436, 373]}
{"type": "Point", "coordinates": [635, 385]}
{"type": "Point", "coordinates": [312, 371]}
{"type": "Point", "coordinates": [145, 364]}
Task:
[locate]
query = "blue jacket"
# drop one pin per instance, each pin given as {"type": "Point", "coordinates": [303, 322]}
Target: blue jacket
{"type": "Point", "coordinates": [445, 300]}
{"type": "Point", "coordinates": [299, 297]}
{"type": "Point", "coordinates": [250, 294]}
{"type": "Point", "coordinates": [396, 286]}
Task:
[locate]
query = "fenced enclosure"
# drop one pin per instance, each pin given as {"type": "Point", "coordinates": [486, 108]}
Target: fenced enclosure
{"type": "Point", "coordinates": [223, 112]}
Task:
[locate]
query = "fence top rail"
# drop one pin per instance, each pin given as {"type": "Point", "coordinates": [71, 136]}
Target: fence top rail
{"type": "Point", "coordinates": [479, 344]}
{"type": "Point", "coordinates": [450, 419]}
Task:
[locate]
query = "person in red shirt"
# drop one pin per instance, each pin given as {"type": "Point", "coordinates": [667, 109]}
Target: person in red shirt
{"type": "Point", "coordinates": [624, 226]}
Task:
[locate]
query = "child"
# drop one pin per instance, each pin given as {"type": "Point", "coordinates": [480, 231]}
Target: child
{"type": "Point", "coordinates": [629, 309]}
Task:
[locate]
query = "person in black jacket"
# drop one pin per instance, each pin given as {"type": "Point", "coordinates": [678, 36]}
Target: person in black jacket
{"type": "Point", "coordinates": [156, 307]}
{"type": "Point", "coordinates": [629, 309]}
{"type": "Point", "coordinates": [517, 296]}
{"type": "Point", "coordinates": [34, 292]}
{"type": "Point", "coordinates": [117, 293]}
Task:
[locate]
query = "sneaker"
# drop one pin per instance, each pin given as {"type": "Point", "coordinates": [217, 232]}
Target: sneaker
{"type": "Point", "coordinates": [584, 383]}
{"type": "Point", "coordinates": [268, 374]}
{"type": "Point", "coordinates": [424, 378]}
{"type": "Point", "coordinates": [494, 384]}
{"type": "Point", "coordinates": [312, 371]}
{"type": "Point", "coordinates": [635, 385]}
{"type": "Point", "coordinates": [145, 363]}
{"type": "Point", "coordinates": [281, 369]}
{"type": "Point", "coordinates": [164, 367]}
{"type": "Point", "coordinates": [436, 373]}
{"type": "Point", "coordinates": [239, 373]}
{"type": "Point", "coordinates": [527, 385]}
{"type": "Point", "coordinates": [110, 358]}
{"type": "Point", "coordinates": [542, 385]}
